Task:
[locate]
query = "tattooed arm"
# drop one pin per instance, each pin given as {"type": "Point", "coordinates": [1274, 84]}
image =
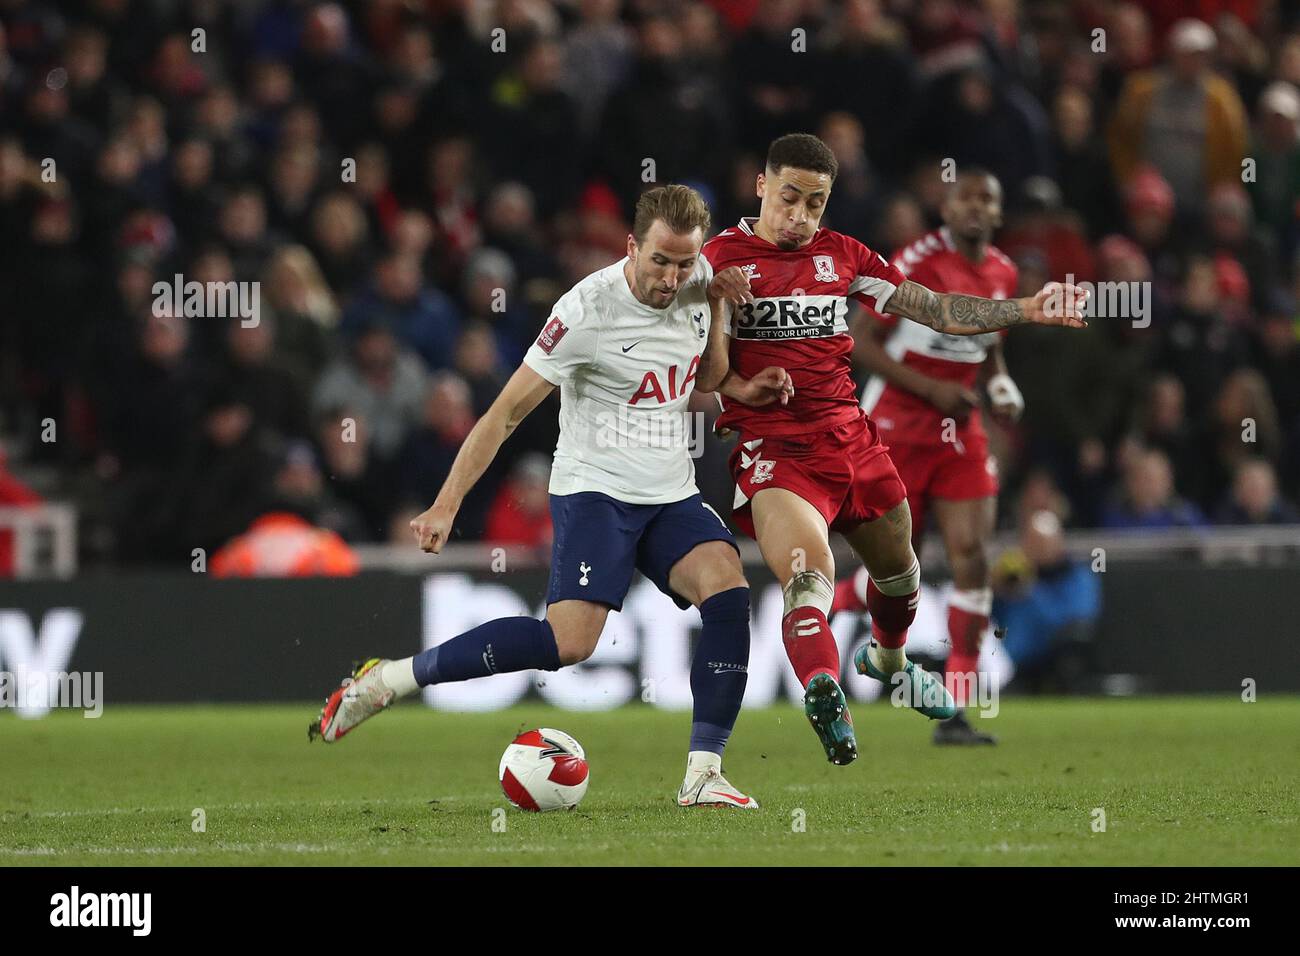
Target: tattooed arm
{"type": "Point", "coordinates": [956, 314]}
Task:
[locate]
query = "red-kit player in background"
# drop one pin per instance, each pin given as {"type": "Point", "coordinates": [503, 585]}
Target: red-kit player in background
{"type": "Point", "coordinates": [924, 402]}
{"type": "Point", "coordinates": [816, 464]}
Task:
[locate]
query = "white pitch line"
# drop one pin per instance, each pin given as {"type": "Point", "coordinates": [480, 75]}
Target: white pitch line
{"type": "Point", "coordinates": [168, 850]}
{"type": "Point", "coordinates": [118, 811]}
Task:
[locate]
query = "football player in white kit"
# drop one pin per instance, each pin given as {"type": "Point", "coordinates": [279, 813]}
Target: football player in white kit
{"type": "Point", "coordinates": [625, 347]}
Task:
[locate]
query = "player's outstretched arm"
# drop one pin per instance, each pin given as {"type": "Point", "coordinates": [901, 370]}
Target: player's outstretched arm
{"type": "Point", "coordinates": [524, 392]}
{"type": "Point", "coordinates": [1056, 303]}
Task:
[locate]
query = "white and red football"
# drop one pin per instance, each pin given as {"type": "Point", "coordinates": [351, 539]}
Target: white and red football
{"type": "Point", "coordinates": [544, 769]}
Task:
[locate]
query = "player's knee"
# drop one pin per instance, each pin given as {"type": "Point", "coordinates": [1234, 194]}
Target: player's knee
{"type": "Point", "coordinates": [901, 562]}
{"type": "Point", "coordinates": [726, 574]}
{"type": "Point", "coordinates": [809, 588]}
{"type": "Point", "coordinates": [970, 563]}
{"type": "Point", "coordinates": [575, 644]}
{"type": "Point", "coordinates": [577, 630]}
{"type": "Point", "coordinates": [895, 583]}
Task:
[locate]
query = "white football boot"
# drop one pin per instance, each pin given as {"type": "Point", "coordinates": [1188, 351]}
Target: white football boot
{"type": "Point", "coordinates": [705, 786]}
{"type": "Point", "coordinates": [359, 697]}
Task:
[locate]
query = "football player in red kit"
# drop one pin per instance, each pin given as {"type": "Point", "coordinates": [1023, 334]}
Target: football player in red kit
{"type": "Point", "coordinates": [816, 464]}
{"type": "Point", "coordinates": [924, 402]}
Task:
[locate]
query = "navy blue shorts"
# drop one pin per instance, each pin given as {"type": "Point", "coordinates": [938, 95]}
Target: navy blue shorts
{"type": "Point", "coordinates": [600, 541]}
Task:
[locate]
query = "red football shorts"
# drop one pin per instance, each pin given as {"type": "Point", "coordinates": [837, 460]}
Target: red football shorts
{"type": "Point", "coordinates": [958, 470]}
{"type": "Point", "coordinates": [845, 473]}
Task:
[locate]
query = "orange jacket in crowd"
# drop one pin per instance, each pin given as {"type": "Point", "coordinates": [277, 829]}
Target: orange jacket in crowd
{"type": "Point", "coordinates": [1226, 127]}
{"type": "Point", "coordinates": [281, 544]}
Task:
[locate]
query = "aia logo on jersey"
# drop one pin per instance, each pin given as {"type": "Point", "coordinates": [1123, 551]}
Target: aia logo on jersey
{"type": "Point", "coordinates": [824, 269]}
{"type": "Point", "coordinates": [652, 386]}
{"type": "Point", "coordinates": [551, 335]}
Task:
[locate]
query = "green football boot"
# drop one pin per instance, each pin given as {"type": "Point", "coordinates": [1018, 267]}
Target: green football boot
{"type": "Point", "coordinates": [828, 712]}
{"type": "Point", "coordinates": [918, 688]}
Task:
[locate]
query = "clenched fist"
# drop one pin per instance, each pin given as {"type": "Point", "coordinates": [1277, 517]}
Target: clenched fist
{"type": "Point", "coordinates": [432, 528]}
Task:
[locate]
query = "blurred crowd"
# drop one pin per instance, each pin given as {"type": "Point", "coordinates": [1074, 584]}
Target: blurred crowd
{"type": "Point", "coordinates": [414, 183]}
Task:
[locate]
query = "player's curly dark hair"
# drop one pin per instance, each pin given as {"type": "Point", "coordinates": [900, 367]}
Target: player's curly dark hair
{"type": "Point", "coordinates": [802, 151]}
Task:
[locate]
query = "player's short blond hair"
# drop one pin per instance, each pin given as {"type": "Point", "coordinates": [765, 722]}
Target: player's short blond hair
{"type": "Point", "coordinates": [680, 208]}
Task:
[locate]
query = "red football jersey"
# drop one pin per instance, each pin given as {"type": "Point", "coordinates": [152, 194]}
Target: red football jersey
{"type": "Point", "coordinates": [799, 321]}
{"type": "Point", "coordinates": [935, 263]}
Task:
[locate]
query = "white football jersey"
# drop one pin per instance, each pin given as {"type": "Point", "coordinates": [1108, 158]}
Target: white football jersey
{"type": "Point", "coordinates": [625, 373]}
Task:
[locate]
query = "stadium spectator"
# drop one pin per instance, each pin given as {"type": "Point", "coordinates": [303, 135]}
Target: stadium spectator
{"type": "Point", "coordinates": [1182, 118]}
{"type": "Point", "coordinates": [1198, 345]}
{"type": "Point", "coordinates": [529, 131]}
{"type": "Point", "coordinates": [521, 513]}
{"type": "Point", "coordinates": [1276, 151]}
{"type": "Point", "coordinates": [296, 294]}
{"type": "Point", "coordinates": [1255, 498]}
{"type": "Point", "coordinates": [272, 389]}
{"type": "Point", "coordinates": [690, 136]}
{"type": "Point", "coordinates": [1232, 234]}
{"type": "Point", "coordinates": [980, 119]}
{"type": "Point", "coordinates": [492, 299]}
{"type": "Point", "coordinates": [597, 53]}
{"type": "Point", "coordinates": [1243, 424]}
{"type": "Point", "coordinates": [1162, 423]}
{"type": "Point", "coordinates": [300, 488]}
{"type": "Point", "coordinates": [283, 545]}
{"type": "Point", "coordinates": [1275, 351]}
{"type": "Point", "coordinates": [222, 482]}
{"type": "Point", "coordinates": [1082, 167]}
{"type": "Point", "coordinates": [1149, 214]}
{"type": "Point", "coordinates": [478, 361]}
{"type": "Point", "coordinates": [340, 242]}
{"type": "Point", "coordinates": [1146, 498]}
{"type": "Point", "coordinates": [353, 475]}
{"type": "Point", "coordinates": [857, 193]}
{"type": "Point", "coordinates": [1048, 606]}
{"type": "Point", "coordinates": [1044, 226]}
{"type": "Point", "coordinates": [423, 318]}
{"type": "Point", "coordinates": [380, 379]}
{"type": "Point", "coordinates": [868, 51]}
{"type": "Point", "coordinates": [447, 417]}
{"type": "Point", "coordinates": [510, 224]}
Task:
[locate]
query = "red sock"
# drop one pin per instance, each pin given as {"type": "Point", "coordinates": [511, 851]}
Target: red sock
{"type": "Point", "coordinates": [810, 644]}
{"type": "Point", "coordinates": [965, 628]}
{"type": "Point", "coordinates": [891, 615]}
{"type": "Point", "coordinates": [846, 596]}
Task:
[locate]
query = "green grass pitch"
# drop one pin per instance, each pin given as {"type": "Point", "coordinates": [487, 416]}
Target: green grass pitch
{"type": "Point", "coordinates": [1186, 781]}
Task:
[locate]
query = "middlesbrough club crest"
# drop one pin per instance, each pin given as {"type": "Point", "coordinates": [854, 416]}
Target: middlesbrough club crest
{"type": "Point", "coordinates": [824, 267]}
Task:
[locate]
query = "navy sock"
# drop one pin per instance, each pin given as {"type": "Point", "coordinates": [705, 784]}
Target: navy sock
{"type": "Point", "coordinates": [720, 669]}
{"type": "Point", "coordinates": [497, 647]}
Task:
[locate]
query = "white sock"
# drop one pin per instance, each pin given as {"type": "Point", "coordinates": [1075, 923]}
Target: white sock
{"type": "Point", "coordinates": [400, 676]}
{"type": "Point", "coordinates": [889, 660]}
{"type": "Point", "coordinates": [698, 761]}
